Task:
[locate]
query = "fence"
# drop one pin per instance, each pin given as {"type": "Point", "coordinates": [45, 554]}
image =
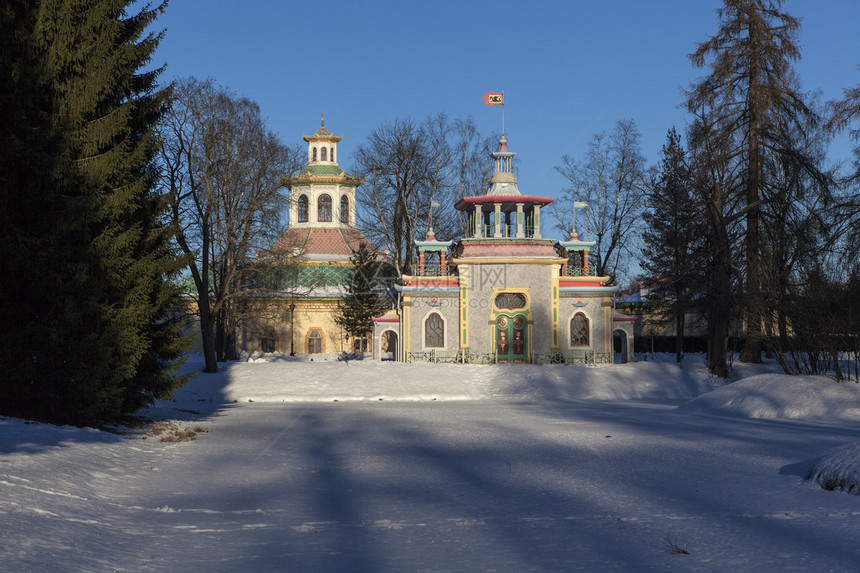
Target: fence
{"type": "Point", "coordinates": [469, 356]}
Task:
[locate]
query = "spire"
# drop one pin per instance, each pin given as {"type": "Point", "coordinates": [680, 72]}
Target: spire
{"type": "Point", "coordinates": [503, 181]}
{"type": "Point", "coordinates": [322, 119]}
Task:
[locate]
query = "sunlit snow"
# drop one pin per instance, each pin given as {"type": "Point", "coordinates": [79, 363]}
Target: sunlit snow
{"type": "Point", "coordinates": [369, 466]}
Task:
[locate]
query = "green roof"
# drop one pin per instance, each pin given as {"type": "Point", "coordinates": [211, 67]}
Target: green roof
{"type": "Point", "coordinates": [321, 170]}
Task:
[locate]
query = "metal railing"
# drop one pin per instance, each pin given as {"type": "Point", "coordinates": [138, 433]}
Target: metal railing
{"type": "Point", "coordinates": [469, 356]}
{"type": "Point", "coordinates": [579, 271]}
{"type": "Point", "coordinates": [436, 270]}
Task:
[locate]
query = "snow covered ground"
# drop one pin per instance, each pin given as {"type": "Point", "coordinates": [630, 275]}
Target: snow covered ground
{"type": "Point", "coordinates": [368, 466]}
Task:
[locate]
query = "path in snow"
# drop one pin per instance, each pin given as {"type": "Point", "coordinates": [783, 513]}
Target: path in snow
{"type": "Point", "coordinates": [457, 486]}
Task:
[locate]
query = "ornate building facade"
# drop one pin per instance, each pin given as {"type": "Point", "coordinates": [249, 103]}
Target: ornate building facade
{"type": "Point", "coordinates": [319, 241]}
{"type": "Point", "coordinates": [504, 293]}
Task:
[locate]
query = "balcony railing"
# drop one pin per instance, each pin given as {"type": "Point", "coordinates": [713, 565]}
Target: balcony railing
{"type": "Point", "coordinates": [436, 270]}
{"type": "Point", "coordinates": [579, 271]}
{"type": "Point", "coordinates": [507, 231]}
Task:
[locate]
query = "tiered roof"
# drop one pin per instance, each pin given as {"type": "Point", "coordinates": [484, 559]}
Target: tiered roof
{"type": "Point", "coordinates": [321, 243]}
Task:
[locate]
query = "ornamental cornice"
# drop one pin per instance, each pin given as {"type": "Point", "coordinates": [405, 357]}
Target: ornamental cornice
{"type": "Point", "coordinates": [334, 138]}
{"type": "Point", "coordinates": [345, 180]}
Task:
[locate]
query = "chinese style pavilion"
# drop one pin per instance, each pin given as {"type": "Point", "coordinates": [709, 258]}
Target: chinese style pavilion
{"type": "Point", "coordinates": [504, 293]}
{"type": "Point", "coordinates": [320, 239]}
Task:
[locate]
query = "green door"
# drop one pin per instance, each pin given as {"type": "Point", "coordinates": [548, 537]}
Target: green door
{"type": "Point", "coordinates": [511, 338]}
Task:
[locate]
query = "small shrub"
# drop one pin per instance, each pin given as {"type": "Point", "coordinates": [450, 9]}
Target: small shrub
{"type": "Point", "coordinates": [673, 547]}
{"type": "Point", "coordinates": [173, 432]}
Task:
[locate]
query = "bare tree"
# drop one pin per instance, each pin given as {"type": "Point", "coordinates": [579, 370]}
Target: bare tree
{"type": "Point", "coordinates": [610, 180]}
{"type": "Point", "coordinates": [751, 89]}
{"type": "Point", "coordinates": [397, 189]}
{"type": "Point", "coordinates": [845, 114]}
{"type": "Point", "coordinates": [220, 170]}
{"type": "Point", "coordinates": [715, 181]}
{"type": "Point", "coordinates": [413, 171]}
{"type": "Point", "coordinates": [472, 165]}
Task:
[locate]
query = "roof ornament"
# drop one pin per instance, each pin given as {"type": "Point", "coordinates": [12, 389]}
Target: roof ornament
{"type": "Point", "coordinates": [322, 119]}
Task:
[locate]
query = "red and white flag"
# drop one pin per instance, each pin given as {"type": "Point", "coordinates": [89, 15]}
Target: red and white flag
{"type": "Point", "coordinates": [494, 98]}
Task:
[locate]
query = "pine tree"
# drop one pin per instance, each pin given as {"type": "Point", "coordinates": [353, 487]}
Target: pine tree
{"type": "Point", "coordinates": [673, 239]}
{"type": "Point", "coordinates": [362, 301]}
{"type": "Point", "coordinates": [87, 335]}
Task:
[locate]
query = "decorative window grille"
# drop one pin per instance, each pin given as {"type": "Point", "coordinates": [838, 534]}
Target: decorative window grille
{"type": "Point", "coordinates": [314, 154]}
{"type": "Point", "coordinates": [324, 209]}
{"type": "Point", "coordinates": [303, 209]}
{"type": "Point", "coordinates": [323, 154]}
{"type": "Point", "coordinates": [434, 331]}
{"type": "Point", "coordinates": [510, 300]}
{"type": "Point", "coordinates": [579, 330]}
{"type": "Point", "coordinates": [344, 209]}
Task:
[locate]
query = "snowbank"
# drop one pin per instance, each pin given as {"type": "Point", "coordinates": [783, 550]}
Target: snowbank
{"type": "Point", "coordinates": [277, 379]}
{"type": "Point", "coordinates": [838, 468]}
{"type": "Point", "coordinates": [782, 396]}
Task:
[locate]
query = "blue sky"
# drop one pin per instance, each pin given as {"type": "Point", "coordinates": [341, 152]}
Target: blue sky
{"type": "Point", "coordinates": [569, 69]}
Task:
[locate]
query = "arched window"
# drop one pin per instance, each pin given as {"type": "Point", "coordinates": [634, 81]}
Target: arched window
{"type": "Point", "coordinates": [303, 209]}
{"type": "Point", "coordinates": [324, 209]}
{"type": "Point", "coordinates": [332, 154]}
{"type": "Point", "coordinates": [314, 155]}
{"type": "Point", "coordinates": [344, 209]}
{"type": "Point", "coordinates": [434, 331]}
{"type": "Point", "coordinates": [315, 341]}
{"type": "Point", "coordinates": [322, 154]}
{"type": "Point", "coordinates": [579, 330]}
{"type": "Point", "coordinates": [510, 300]}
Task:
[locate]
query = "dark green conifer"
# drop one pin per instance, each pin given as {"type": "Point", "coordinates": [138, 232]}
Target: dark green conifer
{"type": "Point", "coordinates": [363, 298]}
{"type": "Point", "coordinates": [87, 335]}
{"type": "Point", "coordinates": [673, 240]}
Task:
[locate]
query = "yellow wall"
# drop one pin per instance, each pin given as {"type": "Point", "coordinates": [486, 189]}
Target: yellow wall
{"type": "Point", "coordinates": [309, 315]}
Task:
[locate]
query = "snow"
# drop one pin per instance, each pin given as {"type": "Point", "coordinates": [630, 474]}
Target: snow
{"type": "Point", "coordinates": [838, 468]}
{"type": "Point", "coordinates": [785, 397]}
{"type": "Point", "coordinates": [381, 466]}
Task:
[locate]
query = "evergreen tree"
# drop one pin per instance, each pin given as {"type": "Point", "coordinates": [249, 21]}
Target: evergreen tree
{"type": "Point", "coordinates": [87, 334]}
{"type": "Point", "coordinates": [751, 93]}
{"type": "Point", "coordinates": [362, 301]}
{"type": "Point", "coordinates": [673, 239]}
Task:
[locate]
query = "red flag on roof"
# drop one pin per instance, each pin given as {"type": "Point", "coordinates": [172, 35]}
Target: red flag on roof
{"type": "Point", "coordinates": [494, 98]}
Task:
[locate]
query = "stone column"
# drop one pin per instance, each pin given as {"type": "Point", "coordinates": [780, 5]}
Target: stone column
{"type": "Point", "coordinates": [498, 220]}
{"type": "Point", "coordinates": [537, 222]}
{"type": "Point", "coordinates": [520, 222]}
{"type": "Point", "coordinates": [478, 222]}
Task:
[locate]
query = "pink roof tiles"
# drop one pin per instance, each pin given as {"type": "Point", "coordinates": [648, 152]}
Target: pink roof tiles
{"type": "Point", "coordinates": [321, 243]}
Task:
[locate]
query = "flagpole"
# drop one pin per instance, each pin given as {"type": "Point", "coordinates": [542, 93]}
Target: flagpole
{"type": "Point", "coordinates": [503, 114]}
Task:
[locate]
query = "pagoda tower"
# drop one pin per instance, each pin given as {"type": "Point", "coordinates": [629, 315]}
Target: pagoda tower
{"type": "Point", "coordinates": [322, 194]}
{"type": "Point", "coordinates": [317, 246]}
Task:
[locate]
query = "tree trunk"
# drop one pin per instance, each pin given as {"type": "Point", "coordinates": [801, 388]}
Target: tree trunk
{"type": "Point", "coordinates": [207, 335]}
{"type": "Point", "coordinates": [679, 336]}
{"type": "Point", "coordinates": [752, 302]}
{"type": "Point", "coordinates": [720, 317]}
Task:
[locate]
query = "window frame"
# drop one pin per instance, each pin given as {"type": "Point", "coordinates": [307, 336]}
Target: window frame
{"type": "Point", "coordinates": [586, 333]}
{"type": "Point", "coordinates": [435, 316]}
{"type": "Point", "coordinates": [324, 206]}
